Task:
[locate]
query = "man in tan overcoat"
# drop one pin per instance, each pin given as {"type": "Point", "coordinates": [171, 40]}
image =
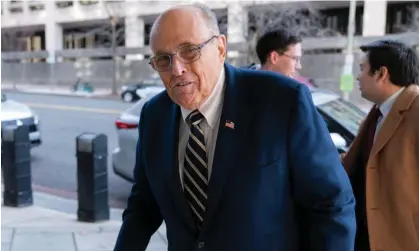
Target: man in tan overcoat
{"type": "Point", "coordinates": [383, 160]}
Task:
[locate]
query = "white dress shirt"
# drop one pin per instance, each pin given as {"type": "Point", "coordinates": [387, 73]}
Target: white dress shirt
{"type": "Point", "coordinates": [385, 109]}
{"type": "Point", "coordinates": [211, 110]}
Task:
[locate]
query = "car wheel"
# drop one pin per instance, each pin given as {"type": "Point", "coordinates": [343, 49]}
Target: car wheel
{"type": "Point", "coordinates": [128, 97]}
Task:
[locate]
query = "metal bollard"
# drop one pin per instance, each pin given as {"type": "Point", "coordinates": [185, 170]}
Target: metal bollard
{"type": "Point", "coordinates": [16, 166]}
{"type": "Point", "coordinates": [92, 177]}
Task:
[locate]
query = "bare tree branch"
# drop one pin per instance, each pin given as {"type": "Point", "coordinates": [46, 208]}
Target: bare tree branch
{"type": "Point", "coordinates": [92, 32]}
{"type": "Point", "coordinates": [412, 19]}
{"type": "Point", "coordinates": [115, 12]}
{"type": "Point", "coordinates": [302, 17]}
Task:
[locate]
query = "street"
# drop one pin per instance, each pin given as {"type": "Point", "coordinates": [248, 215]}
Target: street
{"type": "Point", "coordinates": [62, 119]}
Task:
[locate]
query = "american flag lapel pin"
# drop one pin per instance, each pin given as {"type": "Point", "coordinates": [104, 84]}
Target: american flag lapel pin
{"type": "Point", "coordinates": [229, 124]}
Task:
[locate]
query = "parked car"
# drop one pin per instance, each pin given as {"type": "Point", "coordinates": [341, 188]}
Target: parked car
{"type": "Point", "coordinates": [309, 82]}
{"type": "Point", "coordinates": [134, 92]}
{"type": "Point", "coordinates": [16, 113]}
{"type": "Point", "coordinates": [342, 118]}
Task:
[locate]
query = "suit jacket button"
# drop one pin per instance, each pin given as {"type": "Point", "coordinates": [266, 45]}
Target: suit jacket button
{"type": "Point", "coordinates": [201, 244]}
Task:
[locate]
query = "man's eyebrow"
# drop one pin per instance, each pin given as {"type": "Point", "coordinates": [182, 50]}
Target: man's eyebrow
{"type": "Point", "coordinates": [184, 43]}
{"type": "Point", "coordinates": [158, 53]}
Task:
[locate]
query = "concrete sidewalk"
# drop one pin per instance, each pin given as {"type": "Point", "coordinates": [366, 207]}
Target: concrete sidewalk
{"type": "Point", "coordinates": [54, 90]}
{"type": "Point", "coordinates": [40, 229]}
{"type": "Point", "coordinates": [51, 225]}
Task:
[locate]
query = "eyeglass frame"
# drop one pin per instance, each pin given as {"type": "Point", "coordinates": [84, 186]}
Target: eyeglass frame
{"type": "Point", "coordinates": [171, 55]}
{"type": "Point", "coordinates": [296, 58]}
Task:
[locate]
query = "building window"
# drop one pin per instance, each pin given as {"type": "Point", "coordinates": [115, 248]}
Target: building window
{"type": "Point", "coordinates": [36, 5]}
{"type": "Point", "coordinates": [338, 19]}
{"type": "Point", "coordinates": [35, 43]}
{"type": "Point", "coordinates": [88, 2]}
{"type": "Point", "coordinates": [68, 42]}
{"type": "Point", "coordinates": [15, 6]}
{"type": "Point", "coordinates": [64, 4]}
{"type": "Point", "coordinates": [402, 17]}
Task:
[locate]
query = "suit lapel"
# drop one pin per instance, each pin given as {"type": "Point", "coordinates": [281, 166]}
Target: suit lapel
{"type": "Point", "coordinates": [394, 118]}
{"type": "Point", "coordinates": [172, 162]}
{"type": "Point", "coordinates": [229, 139]}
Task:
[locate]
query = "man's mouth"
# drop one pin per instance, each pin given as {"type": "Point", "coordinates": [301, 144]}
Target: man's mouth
{"type": "Point", "coordinates": [183, 84]}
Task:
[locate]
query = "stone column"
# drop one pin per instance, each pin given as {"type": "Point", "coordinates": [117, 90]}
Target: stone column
{"type": "Point", "coordinates": [53, 33]}
{"type": "Point", "coordinates": [134, 35]}
{"type": "Point", "coordinates": [236, 27]}
{"type": "Point", "coordinates": [375, 17]}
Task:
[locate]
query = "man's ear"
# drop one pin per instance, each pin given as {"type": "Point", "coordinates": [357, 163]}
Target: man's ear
{"type": "Point", "coordinates": [273, 57]}
{"type": "Point", "coordinates": [382, 73]}
{"type": "Point", "coordinates": [222, 47]}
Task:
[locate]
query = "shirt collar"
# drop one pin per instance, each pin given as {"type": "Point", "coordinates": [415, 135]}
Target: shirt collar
{"type": "Point", "coordinates": [385, 107]}
{"type": "Point", "coordinates": [211, 108]}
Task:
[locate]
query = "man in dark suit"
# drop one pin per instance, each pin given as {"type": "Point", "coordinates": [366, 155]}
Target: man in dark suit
{"type": "Point", "coordinates": [231, 159]}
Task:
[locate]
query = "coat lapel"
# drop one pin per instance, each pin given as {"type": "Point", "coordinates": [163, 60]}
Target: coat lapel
{"type": "Point", "coordinates": [394, 118]}
{"type": "Point", "coordinates": [351, 156]}
{"type": "Point", "coordinates": [172, 162]}
{"type": "Point", "coordinates": [230, 138]}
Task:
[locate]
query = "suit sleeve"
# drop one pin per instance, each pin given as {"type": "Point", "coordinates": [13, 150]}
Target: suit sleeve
{"type": "Point", "coordinates": [142, 217]}
{"type": "Point", "coordinates": [321, 187]}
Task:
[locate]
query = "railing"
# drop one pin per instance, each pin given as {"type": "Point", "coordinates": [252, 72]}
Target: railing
{"type": "Point", "coordinates": [309, 44]}
{"type": "Point", "coordinates": [324, 68]}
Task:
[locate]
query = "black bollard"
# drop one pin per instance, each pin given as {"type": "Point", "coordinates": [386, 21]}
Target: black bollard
{"type": "Point", "coordinates": [92, 177]}
{"type": "Point", "coordinates": [16, 166]}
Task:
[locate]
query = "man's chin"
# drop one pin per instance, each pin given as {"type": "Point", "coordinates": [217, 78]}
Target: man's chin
{"type": "Point", "coordinates": [187, 104]}
{"type": "Point", "coordinates": [365, 96]}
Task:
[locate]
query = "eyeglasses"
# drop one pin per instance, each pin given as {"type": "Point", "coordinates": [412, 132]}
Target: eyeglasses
{"type": "Point", "coordinates": [186, 54]}
{"type": "Point", "coordinates": [296, 58]}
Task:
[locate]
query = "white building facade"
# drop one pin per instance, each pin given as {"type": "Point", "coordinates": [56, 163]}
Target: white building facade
{"type": "Point", "coordinates": [49, 16]}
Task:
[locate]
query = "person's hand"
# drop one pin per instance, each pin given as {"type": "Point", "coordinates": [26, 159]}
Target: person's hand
{"type": "Point", "coordinates": [342, 156]}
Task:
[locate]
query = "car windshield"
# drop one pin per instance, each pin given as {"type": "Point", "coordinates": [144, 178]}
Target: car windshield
{"type": "Point", "coordinates": [347, 114]}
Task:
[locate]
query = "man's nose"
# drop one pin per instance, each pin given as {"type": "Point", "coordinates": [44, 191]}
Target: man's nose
{"type": "Point", "coordinates": [298, 65]}
{"type": "Point", "coordinates": [178, 67]}
{"type": "Point", "coordinates": [358, 77]}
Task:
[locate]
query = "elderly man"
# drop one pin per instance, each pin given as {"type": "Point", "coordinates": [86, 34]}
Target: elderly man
{"type": "Point", "coordinates": [229, 164]}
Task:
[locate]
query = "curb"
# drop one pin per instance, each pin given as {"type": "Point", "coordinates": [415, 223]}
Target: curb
{"type": "Point", "coordinates": [69, 206]}
{"type": "Point", "coordinates": [109, 96]}
{"type": "Point", "coordinates": [65, 205]}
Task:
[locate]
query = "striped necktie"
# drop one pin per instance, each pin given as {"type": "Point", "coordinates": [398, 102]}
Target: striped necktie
{"type": "Point", "coordinates": [196, 168]}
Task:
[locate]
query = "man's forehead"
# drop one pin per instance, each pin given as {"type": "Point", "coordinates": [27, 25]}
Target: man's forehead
{"type": "Point", "coordinates": [169, 43]}
{"type": "Point", "coordinates": [296, 48]}
{"type": "Point", "coordinates": [176, 28]}
{"type": "Point", "coordinates": [181, 19]}
{"type": "Point", "coordinates": [364, 59]}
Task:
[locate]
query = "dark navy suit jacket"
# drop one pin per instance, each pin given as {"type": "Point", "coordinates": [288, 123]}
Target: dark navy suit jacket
{"type": "Point", "coordinates": [277, 183]}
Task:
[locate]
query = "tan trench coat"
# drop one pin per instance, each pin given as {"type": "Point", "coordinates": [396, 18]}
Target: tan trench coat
{"type": "Point", "coordinates": [392, 177]}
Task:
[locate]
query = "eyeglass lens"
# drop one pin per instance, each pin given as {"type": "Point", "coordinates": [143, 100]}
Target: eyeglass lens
{"type": "Point", "coordinates": [187, 54]}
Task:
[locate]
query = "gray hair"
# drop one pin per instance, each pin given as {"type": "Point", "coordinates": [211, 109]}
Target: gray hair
{"type": "Point", "coordinates": [209, 16]}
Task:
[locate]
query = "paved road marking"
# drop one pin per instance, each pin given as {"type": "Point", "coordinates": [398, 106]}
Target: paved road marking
{"type": "Point", "coordinates": [74, 108]}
